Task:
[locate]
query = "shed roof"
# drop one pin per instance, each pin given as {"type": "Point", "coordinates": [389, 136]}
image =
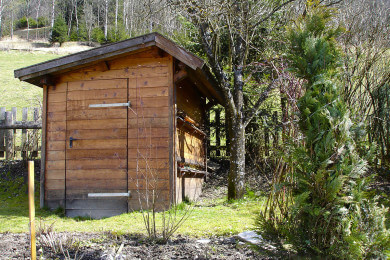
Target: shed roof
{"type": "Point", "coordinates": [35, 73]}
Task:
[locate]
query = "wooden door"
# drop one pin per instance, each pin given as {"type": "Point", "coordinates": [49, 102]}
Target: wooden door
{"type": "Point", "coordinates": [96, 148]}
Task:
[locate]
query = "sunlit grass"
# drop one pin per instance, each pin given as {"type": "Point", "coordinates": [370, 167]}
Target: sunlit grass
{"type": "Point", "coordinates": [215, 217]}
{"type": "Point", "coordinates": [14, 93]}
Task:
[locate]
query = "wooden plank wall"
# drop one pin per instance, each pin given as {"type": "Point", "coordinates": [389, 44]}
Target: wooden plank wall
{"type": "Point", "coordinates": [148, 123]}
{"type": "Point", "coordinates": [55, 146]}
{"type": "Point", "coordinates": [190, 144]}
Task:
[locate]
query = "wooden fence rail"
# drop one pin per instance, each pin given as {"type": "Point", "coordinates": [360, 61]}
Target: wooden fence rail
{"type": "Point", "coordinates": [19, 136]}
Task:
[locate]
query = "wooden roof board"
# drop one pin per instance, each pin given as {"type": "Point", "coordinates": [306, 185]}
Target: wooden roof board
{"type": "Point", "coordinates": [108, 51]}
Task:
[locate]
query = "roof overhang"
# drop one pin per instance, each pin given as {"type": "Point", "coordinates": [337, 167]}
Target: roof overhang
{"type": "Point", "coordinates": [40, 73]}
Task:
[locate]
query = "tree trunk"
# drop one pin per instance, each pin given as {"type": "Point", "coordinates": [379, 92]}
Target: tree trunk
{"type": "Point", "coordinates": [236, 177]}
{"type": "Point", "coordinates": [52, 16]}
{"type": "Point", "coordinates": [37, 16]}
{"type": "Point", "coordinates": [1, 15]}
{"type": "Point", "coordinates": [105, 19]}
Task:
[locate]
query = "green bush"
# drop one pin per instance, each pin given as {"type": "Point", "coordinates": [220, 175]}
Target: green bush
{"type": "Point", "coordinates": [98, 35]}
{"type": "Point", "coordinates": [59, 31]}
{"type": "Point", "coordinates": [117, 35]}
{"type": "Point", "coordinates": [22, 23]}
{"type": "Point", "coordinates": [42, 21]}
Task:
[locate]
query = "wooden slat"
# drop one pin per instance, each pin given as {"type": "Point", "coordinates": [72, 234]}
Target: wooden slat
{"type": "Point", "coordinates": [96, 174]}
{"type": "Point", "coordinates": [152, 143]}
{"type": "Point", "coordinates": [98, 144]}
{"type": "Point", "coordinates": [56, 116]}
{"type": "Point", "coordinates": [150, 112]}
{"type": "Point", "coordinates": [86, 164]}
{"type": "Point", "coordinates": [43, 172]}
{"type": "Point", "coordinates": [54, 97]}
{"type": "Point", "coordinates": [153, 153]}
{"type": "Point", "coordinates": [99, 153]}
{"type": "Point", "coordinates": [55, 146]}
{"type": "Point", "coordinates": [55, 155]}
{"type": "Point", "coordinates": [159, 122]}
{"type": "Point", "coordinates": [58, 88]}
{"type": "Point", "coordinates": [148, 132]}
{"type": "Point", "coordinates": [156, 102]}
{"type": "Point", "coordinates": [55, 136]}
{"type": "Point", "coordinates": [56, 126]}
{"type": "Point", "coordinates": [84, 104]}
{"type": "Point", "coordinates": [56, 107]}
{"type": "Point", "coordinates": [101, 184]}
{"type": "Point", "coordinates": [55, 194]}
{"type": "Point", "coordinates": [160, 173]}
{"type": "Point", "coordinates": [151, 184]}
{"type": "Point", "coordinates": [55, 165]}
{"type": "Point", "coordinates": [146, 165]}
{"type": "Point", "coordinates": [55, 175]}
{"type": "Point", "coordinates": [145, 92]}
{"type": "Point", "coordinates": [97, 113]}
{"type": "Point", "coordinates": [86, 85]}
{"type": "Point", "coordinates": [83, 194]}
{"type": "Point", "coordinates": [106, 94]}
{"type": "Point", "coordinates": [129, 70]}
{"type": "Point", "coordinates": [91, 134]}
{"type": "Point", "coordinates": [55, 184]}
{"type": "Point", "coordinates": [96, 124]}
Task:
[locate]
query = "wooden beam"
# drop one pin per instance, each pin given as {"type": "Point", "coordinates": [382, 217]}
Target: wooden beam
{"type": "Point", "coordinates": [43, 148]}
{"type": "Point", "coordinates": [22, 125]}
{"type": "Point", "coordinates": [180, 75]}
{"type": "Point", "coordinates": [179, 53]}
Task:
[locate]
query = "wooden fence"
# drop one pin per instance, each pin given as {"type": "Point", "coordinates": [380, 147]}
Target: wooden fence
{"type": "Point", "coordinates": [20, 137]}
{"type": "Point", "coordinates": [218, 136]}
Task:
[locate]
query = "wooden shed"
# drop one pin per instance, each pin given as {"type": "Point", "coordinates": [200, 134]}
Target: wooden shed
{"type": "Point", "coordinates": [123, 124]}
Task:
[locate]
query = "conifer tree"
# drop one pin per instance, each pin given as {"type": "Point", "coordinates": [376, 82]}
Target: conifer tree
{"type": "Point", "coordinates": [328, 215]}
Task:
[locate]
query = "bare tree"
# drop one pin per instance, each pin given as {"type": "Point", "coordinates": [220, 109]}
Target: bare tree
{"type": "Point", "coordinates": [233, 26]}
{"type": "Point", "coordinates": [53, 4]}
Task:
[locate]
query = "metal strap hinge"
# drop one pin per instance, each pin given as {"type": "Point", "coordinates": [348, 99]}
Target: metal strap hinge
{"type": "Point", "coordinates": [118, 194]}
{"type": "Point", "coordinates": [128, 104]}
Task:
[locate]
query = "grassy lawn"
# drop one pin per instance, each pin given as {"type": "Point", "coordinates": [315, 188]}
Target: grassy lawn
{"type": "Point", "coordinates": [13, 92]}
{"type": "Point", "coordinates": [216, 218]}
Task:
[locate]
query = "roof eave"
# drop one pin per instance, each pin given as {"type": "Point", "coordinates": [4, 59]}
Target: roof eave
{"type": "Point", "coordinates": [32, 73]}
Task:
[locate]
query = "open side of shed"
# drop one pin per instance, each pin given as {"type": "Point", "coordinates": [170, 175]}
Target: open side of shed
{"type": "Point", "coordinates": [123, 126]}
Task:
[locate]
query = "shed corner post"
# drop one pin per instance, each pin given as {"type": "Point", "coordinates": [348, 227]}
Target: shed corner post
{"type": "Point", "coordinates": [43, 148]}
{"type": "Point", "coordinates": [172, 133]}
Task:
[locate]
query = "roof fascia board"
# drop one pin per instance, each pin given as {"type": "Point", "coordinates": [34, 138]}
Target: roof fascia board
{"type": "Point", "coordinates": [85, 57]}
{"type": "Point", "coordinates": [179, 53]}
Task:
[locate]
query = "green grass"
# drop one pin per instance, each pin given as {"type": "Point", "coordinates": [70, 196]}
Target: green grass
{"type": "Point", "coordinates": [217, 217]}
{"type": "Point", "coordinates": [13, 92]}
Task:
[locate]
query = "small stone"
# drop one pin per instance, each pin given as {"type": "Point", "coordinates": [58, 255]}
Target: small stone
{"type": "Point", "coordinates": [203, 241]}
{"type": "Point", "coordinates": [250, 237]}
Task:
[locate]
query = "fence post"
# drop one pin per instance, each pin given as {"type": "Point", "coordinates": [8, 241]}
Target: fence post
{"type": "Point", "coordinates": [2, 132]}
{"type": "Point", "coordinates": [9, 137]}
{"type": "Point", "coordinates": [23, 150]}
{"type": "Point", "coordinates": [218, 132]}
{"type": "Point", "coordinates": [35, 144]}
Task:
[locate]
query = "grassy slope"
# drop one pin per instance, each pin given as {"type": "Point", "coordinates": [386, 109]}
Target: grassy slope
{"type": "Point", "coordinates": [14, 93]}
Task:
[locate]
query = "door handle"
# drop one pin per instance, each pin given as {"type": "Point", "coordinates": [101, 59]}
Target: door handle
{"type": "Point", "coordinates": [71, 139]}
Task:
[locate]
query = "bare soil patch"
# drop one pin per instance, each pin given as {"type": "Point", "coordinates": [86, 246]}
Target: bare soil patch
{"type": "Point", "coordinates": [109, 246]}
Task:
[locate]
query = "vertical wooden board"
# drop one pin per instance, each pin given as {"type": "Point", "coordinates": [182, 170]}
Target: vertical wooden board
{"type": "Point", "coordinates": [172, 132]}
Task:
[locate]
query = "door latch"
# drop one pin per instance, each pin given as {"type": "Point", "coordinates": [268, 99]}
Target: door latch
{"type": "Point", "coordinates": [71, 139]}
